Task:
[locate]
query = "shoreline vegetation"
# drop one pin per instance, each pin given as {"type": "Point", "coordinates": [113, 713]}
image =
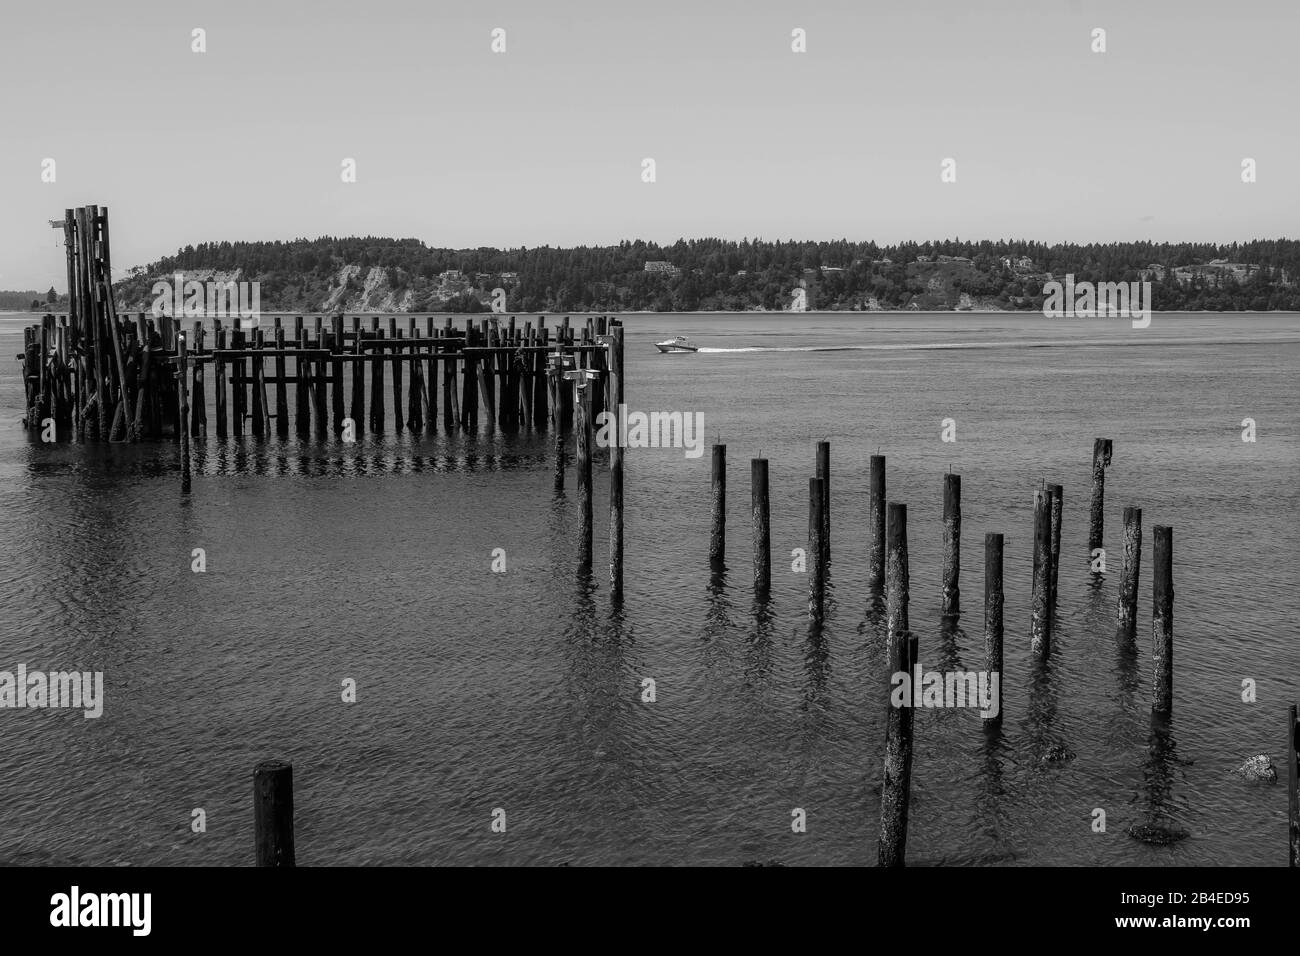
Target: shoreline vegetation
{"type": "Point", "coordinates": [370, 275]}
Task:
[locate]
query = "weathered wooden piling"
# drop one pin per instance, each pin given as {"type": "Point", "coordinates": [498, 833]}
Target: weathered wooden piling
{"type": "Point", "coordinates": [1162, 619]}
{"type": "Point", "coordinates": [219, 384]}
{"type": "Point", "coordinates": [377, 379]}
{"type": "Point", "coordinates": [1040, 629]}
{"type": "Point", "coordinates": [824, 473]}
{"type": "Point", "coordinates": [582, 427]}
{"type": "Point", "coordinates": [951, 544]}
{"type": "Point", "coordinates": [1101, 452]}
{"type": "Point", "coordinates": [273, 813]}
{"type": "Point", "coordinates": [1126, 610]}
{"type": "Point", "coordinates": [198, 405]}
{"type": "Point", "coordinates": [182, 370]}
{"type": "Point", "coordinates": [762, 518]}
{"type": "Point", "coordinates": [718, 510]}
{"type": "Point", "coordinates": [895, 791]}
{"type": "Point", "coordinates": [1293, 784]}
{"type": "Point", "coordinates": [816, 552]}
{"type": "Point", "coordinates": [614, 383]}
{"type": "Point", "coordinates": [1056, 496]}
{"type": "Point", "coordinates": [259, 387]}
{"type": "Point", "coordinates": [281, 386]}
{"type": "Point", "coordinates": [876, 526]}
{"type": "Point", "coordinates": [336, 373]}
{"type": "Point", "coordinates": [993, 604]}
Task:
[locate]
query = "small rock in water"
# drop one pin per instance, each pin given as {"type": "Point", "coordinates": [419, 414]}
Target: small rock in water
{"type": "Point", "coordinates": [1258, 767]}
{"type": "Point", "coordinates": [1057, 753]}
{"type": "Point", "coordinates": [1157, 834]}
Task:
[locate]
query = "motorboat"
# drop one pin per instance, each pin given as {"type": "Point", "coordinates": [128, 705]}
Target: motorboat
{"type": "Point", "coordinates": [679, 344]}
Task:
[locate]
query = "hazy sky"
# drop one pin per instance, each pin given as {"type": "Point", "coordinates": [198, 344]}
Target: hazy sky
{"type": "Point", "coordinates": [543, 144]}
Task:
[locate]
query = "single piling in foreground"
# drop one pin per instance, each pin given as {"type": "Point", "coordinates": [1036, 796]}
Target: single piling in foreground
{"type": "Point", "coordinates": [824, 473]}
{"type": "Point", "coordinates": [816, 553]}
{"type": "Point", "coordinates": [1101, 450]}
{"type": "Point", "coordinates": [876, 526]}
{"type": "Point", "coordinates": [273, 813]}
{"type": "Point", "coordinates": [895, 791]}
{"type": "Point", "coordinates": [1126, 610]}
{"type": "Point", "coordinates": [1162, 619]}
{"type": "Point", "coordinates": [182, 374]}
{"type": "Point", "coordinates": [718, 523]}
{"type": "Point", "coordinates": [993, 603]}
{"type": "Point", "coordinates": [1040, 628]}
{"type": "Point", "coordinates": [1056, 494]}
{"type": "Point", "coordinates": [614, 382]}
{"type": "Point", "coordinates": [582, 426]}
{"type": "Point", "coordinates": [951, 544]}
{"type": "Point", "coordinates": [762, 517]}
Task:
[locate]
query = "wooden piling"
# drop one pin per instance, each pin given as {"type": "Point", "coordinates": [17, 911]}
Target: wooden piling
{"type": "Point", "coordinates": [377, 379]}
{"type": "Point", "coordinates": [395, 334]}
{"type": "Point", "coordinates": [273, 813]}
{"type": "Point", "coordinates": [614, 382]}
{"type": "Point", "coordinates": [582, 425]}
{"type": "Point", "coordinates": [993, 604]}
{"type": "Point", "coordinates": [259, 387]}
{"type": "Point", "coordinates": [762, 518]}
{"type": "Point", "coordinates": [1056, 494]}
{"type": "Point", "coordinates": [895, 791]}
{"type": "Point", "coordinates": [1162, 619]}
{"type": "Point", "coordinates": [199, 405]}
{"type": "Point", "coordinates": [219, 375]}
{"type": "Point", "coordinates": [951, 544]}
{"type": "Point", "coordinates": [357, 406]}
{"type": "Point", "coordinates": [876, 526]}
{"type": "Point", "coordinates": [1126, 609]}
{"type": "Point", "coordinates": [239, 367]}
{"type": "Point", "coordinates": [816, 550]}
{"type": "Point", "coordinates": [1101, 451]}
{"type": "Point", "coordinates": [281, 387]}
{"type": "Point", "coordinates": [1040, 620]}
{"type": "Point", "coordinates": [319, 378]}
{"type": "Point", "coordinates": [336, 374]}
{"type": "Point", "coordinates": [824, 473]}
{"type": "Point", "coordinates": [182, 368]}
{"type": "Point", "coordinates": [718, 511]}
{"type": "Point", "coordinates": [431, 379]}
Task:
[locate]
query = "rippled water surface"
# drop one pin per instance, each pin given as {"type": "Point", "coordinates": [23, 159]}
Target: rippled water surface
{"type": "Point", "coordinates": [523, 690]}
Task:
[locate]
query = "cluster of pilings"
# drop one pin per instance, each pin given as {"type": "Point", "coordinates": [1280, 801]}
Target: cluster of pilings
{"type": "Point", "coordinates": [889, 576]}
{"type": "Point", "coordinates": [77, 370]}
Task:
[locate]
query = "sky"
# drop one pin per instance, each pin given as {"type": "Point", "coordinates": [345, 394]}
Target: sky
{"type": "Point", "coordinates": [543, 144]}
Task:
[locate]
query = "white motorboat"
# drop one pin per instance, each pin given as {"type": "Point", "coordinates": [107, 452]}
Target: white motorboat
{"type": "Point", "coordinates": [678, 344]}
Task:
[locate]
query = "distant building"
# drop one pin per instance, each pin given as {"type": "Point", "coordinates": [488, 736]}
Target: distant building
{"type": "Point", "coordinates": [924, 259]}
{"type": "Point", "coordinates": [661, 265]}
{"type": "Point", "coordinates": [452, 275]}
{"type": "Point", "coordinates": [510, 277]}
{"type": "Point", "coordinates": [832, 269]}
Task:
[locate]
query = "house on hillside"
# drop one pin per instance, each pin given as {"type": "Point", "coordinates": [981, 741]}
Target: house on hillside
{"type": "Point", "coordinates": [661, 266]}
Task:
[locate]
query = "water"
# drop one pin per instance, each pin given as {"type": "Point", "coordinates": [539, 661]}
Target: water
{"type": "Point", "coordinates": [522, 690]}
